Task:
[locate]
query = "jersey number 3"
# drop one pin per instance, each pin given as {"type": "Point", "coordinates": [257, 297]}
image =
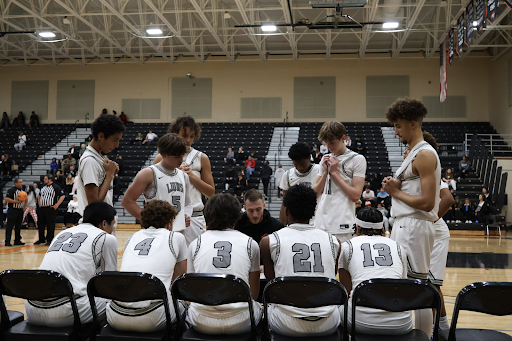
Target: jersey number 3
{"type": "Point", "coordinates": [224, 254]}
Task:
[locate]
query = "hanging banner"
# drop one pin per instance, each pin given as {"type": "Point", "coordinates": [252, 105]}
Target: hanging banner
{"type": "Point", "coordinates": [460, 34]}
{"type": "Point", "coordinates": [470, 13]}
{"type": "Point", "coordinates": [492, 7]}
{"type": "Point", "coordinates": [442, 78]}
{"type": "Point", "coordinates": [451, 46]}
{"type": "Point", "coordinates": [480, 16]}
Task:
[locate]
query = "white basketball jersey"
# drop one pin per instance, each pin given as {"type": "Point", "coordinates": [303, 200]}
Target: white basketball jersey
{"type": "Point", "coordinates": [442, 230]}
{"type": "Point", "coordinates": [193, 159]}
{"type": "Point", "coordinates": [335, 211]}
{"type": "Point", "coordinates": [79, 253]}
{"type": "Point", "coordinates": [173, 187]}
{"type": "Point", "coordinates": [367, 257]}
{"type": "Point", "coordinates": [293, 177]}
{"type": "Point", "coordinates": [223, 252]}
{"type": "Point", "coordinates": [411, 184]}
{"type": "Point", "coordinates": [303, 250]}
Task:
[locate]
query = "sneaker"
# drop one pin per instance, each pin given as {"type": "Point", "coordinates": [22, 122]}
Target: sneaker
{"type": "Point", "coordinates": [47, 244]}
{"type": "Point", "coordinates": [8, 244]}
{"type": "Point", "coordinates": [458, 221]}
{"type": "Point", "coordinates": [39, 242]}
{"type": "Point", "coordinates": [19, 243]}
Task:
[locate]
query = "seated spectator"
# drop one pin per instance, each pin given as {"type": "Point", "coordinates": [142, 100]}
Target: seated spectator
{"type": "Point", "coordinates": [72, 216]}
{"type": "Point", "coordinates": [240, 157]}
{"type": "Point", "coordinates": [382, 194]}
{"type": "Point", "coordinates": [82, 150]}
{"type": "Point", "coordinates": [6, 164]}
{"type": "Point", "coordinates": [59, 179]}
{"type": "Point", "coordinates": [19, 121]}
{"type": "Point", "coordinates": [22, 142]}
{"type": "Point", "coordinates": [72, 171]}
{"type": "Point", "coordinates": [150, 137]}
{"type": "Point", "coordinates": [104, 111]}
{"type": "Point", "coordinates": [454, 214]}
{"type": "Point", "coordinates": [88, 141]}
{"type": "Point", "coordinates": [5, 121]}
{"type": "Point", "coordinates": [138, 139]}
{"type": "Point", "coordinates": [75, 152]}
{"type": "Point", "coordinates": [376, 182]}
{"type": "Point", "coordinates": [360, 146]}
{"type": "Point", "coordinates": [482, 209]}
{"type": "Point", "coordinates": [348, 142]}
{"type": "Point", "coordinates": [467, 212]}
{"type": "Point", "coordinates": [241, 185]}
{"type": "Point", "coordinates": [120, 163]}
{"type": "Point", "coordinates": [34, 120]}
{"type": "Point", "coordinates": [359, 205]}
{"type": "Point", "coordinates": [253, 155]}
{"type": "Point", "coordinates": [54, 166]}
{"type": "Point", "coordinates": [385, 215]}
{"type": "Point", "coordinates": [67, 162]}
{"type": "Point", "coordinates": [485, 193]}
{"type": "Point", "coordinates": [368, 195]}
{"type": "Point", "coordinates": [114, 112]}
{"type": "Point", "coordinates": [464, 167]}
{"type": "Point", "coordinates": [448, 178]}
{"type": "Point", "coordinates": [316, 156]}
{"type": "Point", "coordinates": [229, 179]}
{"type": "Point", "coordinates": [123, 118]}
{"type": "Point", "coordinates": [250, 165]}
{"type": "Point", "coordinates": [70, 180]}
{"type": "Point", "coordinates": [230, 157]}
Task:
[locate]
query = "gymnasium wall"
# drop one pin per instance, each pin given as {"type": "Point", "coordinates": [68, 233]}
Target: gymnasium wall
{"type": "Point", "coordinates": [250, 77]}
{"type": "Point", "coordinates": [500, 114]}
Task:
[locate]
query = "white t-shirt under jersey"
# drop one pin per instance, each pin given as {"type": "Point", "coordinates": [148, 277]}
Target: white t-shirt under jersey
{"type": "Point", "coordinates": [293, 177]}
{"type": "Point", "coordinates": [367, 257]}
{"type": "Point", "coordinates": [335, 212]}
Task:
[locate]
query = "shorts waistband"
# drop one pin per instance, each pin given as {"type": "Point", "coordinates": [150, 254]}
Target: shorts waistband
{"type": "Point", "coordinates": [129, 311]}
{"type": "Point", "coordinates": [197, 213]}
{"type": "Point", "coordinates": [51, 302]}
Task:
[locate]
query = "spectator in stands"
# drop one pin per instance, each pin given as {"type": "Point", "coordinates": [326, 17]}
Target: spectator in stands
{"type": "Point", "coordinates": [368, 195]}
{"type": "Point", "coordinates": [59, 179]}
{"type": "Point", "coordinates": [230, 157]}
{"type": "Point", "coordinates": [19, 120]}
{"type": "Point", "coordinates": [323, 148]}
{"type": "Point", "coordinates": [376, 182]}
{"type": "Point", "coordinates": [6, 164]}
{"type": "Point", "coordinates": [114, 112]}
{"type": "Point", "coordinates": [82, 150]}
{"type": "Point", "coordinates": [22, 142]}
{"type": "Point", "coordinates": [104, 112]}
{"type": "Point", "coordinates": [150, 137]}
{"type": "Point", "coordinates": [359, 204]}
{"type": "Point", "coordinates": [467, 211]}
{"type": "Point", "coordinates": [485, 193]}
{"type": "Point", "coordinates": [448, 178]}
{"type": "Point", "coordinates": [482, 209]}
{"type": "Point", "coordinates": [120, 162]}
{"type": "Point", "coordinates": [5, 121]}
{"type": "Point", "coordinates": [138, 139]}
{"type": "Point", "coordinates": [265, 174]}
{"type": "Point", "coordinates": [241, 185]}
{"type": "Point", "coordinates": [229, 179]}
{"type": "Point", "coordinates": [34, 120]}
{"type": "Point", "coordinates": [253, 155]}
{"type": "Point", "coordinates": [317, 156]}
{"type": "Point", "coordinates": [385, 215]}
{"type": "Point", "coordinates": [70, 180]}
{"type": "Point", "coordinates": [360, 146]}
{"type": "Point", "coordinates": [67, 162]}
{"type": "Point", "coordinates": [116, 188]}
{"type": "Point", "coordinates": [464, 166]}
{"type": "Point", "coordinates": [348, 142]}
{"type": "Point", "coordinates": [383, 198]}
{"type": "Point", "coordinates": [74, 151]}
{"type": "Point", "coordinates": [72, 171]}
{"type": "Point", "coordinates": [88, 141]}
{"type": "Point", "coordinates": [278, 176]}
{"type": "Point", "coordinates": [72, 214]}
{"type": "Point", "coordinates": [54, 166]}
{"type": "Point", "coordinates": [240, 157]}
{"type": "Point", "coordinates": [250, 165]}
{"type": "Point", "coordinates": [123, 118]}
{"type": "Point", "coordinates": [454, 214]}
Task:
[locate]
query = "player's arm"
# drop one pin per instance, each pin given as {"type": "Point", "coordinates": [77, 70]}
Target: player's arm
{"type": "Point", "coordinates": [157, 159]}
{"type": "Point", "coordinates": [446, 202]}
{"type": "Point", "coordinates": [142, 180]}
{"type": "Point", "coordinates": [188, 202]}
{"type": "Point", "coordinates": [345, 279]}
{"type": "Point", "coordinates": [61, 199]}
{"type": "Point", "coordinates": [93, 192]}
{"type": "Point", "coordinates": [11, 201]}
{"type": "Point", "coordinates": [179, 269]}
{"type": "Point", "coordinates": [268, 264]}
{"type": "Point", "coordinates": [425, 164]}
{"type": "Point", "coordinates": [110, 253]}
{"type": "Point", "coordinates": [282, 215]}
{"type": "Point", "coordinates": [254, 273]}
{"type": "Point", "coordinates": [204, 183]}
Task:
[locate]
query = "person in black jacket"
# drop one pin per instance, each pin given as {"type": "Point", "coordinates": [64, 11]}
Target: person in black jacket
{"type": "Point", "coordinates": [265, 174]}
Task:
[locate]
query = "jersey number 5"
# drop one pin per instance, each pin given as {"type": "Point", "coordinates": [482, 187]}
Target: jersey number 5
{"type": "Point", "coordinates": [76, 241]}
{"type": "Point", "coordinates": [300, 263]}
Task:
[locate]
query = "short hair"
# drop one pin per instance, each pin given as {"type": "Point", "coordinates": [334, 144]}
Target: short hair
{"type": "Point", "coordinates": [370, 215]}
{"type": "Point", "coordinates": [300, 201]}
{"type": "Point", "coordinates": [157, 213]}
{"type": "Point", "coordinates": [253, 195]}
{"type": "Point", "coordinates": [49, 176]}
{"type": "Point", "coordinates": [221, 211]}
{"type": "Point", "coordinates": [108, 125]}
{"type": "Point", "coordinates": [17, 179]}
{"type": "Point", "coordinates": [299, 151]}
{"type": "Point", "coordinates": [428, 137]}
{"type": "Point", "coordinates": [185, 122]}
{"type": "Point", "coordinates": [406, 109]}
{"type": "Point", "coordinates": [95, 213]}
{"type": "Point", "coordinates": [171, 144]}
{"type": "Point", "coordinates": [331, 131]}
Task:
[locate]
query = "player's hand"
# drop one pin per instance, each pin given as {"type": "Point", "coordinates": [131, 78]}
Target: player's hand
{"type": "Point", "coordinates": [391, 186]}
{"type": "Point", "coordinates": [117, 168]}
{"type": "Point", "coordinates": [110, 167]}
{"type": "Point", "coordinates": [333, 164]}
{"type": "Point", "coordinates": [261, 269]}
{"type": "Point", "coordinates": [187, 220]}
{"type": "Point", "coordinates": [325, 162]}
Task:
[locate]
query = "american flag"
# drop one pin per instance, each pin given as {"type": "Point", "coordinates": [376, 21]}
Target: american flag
{"type": "Point", "coordinates": [443, 87]}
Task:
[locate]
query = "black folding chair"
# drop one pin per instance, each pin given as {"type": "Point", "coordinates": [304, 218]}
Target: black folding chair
{"type": "Point", "coordinates": [38, 285]}
{"type": "Point", "coordinates": [492, 298]}
{"type": "Point", "coordinates": [127, 287]}
{"type": "Point", "coordinates": [211, 289]}
{"type": "Point", "coordinates": [396, 295]}
{"type": "Point", "coordinates": [306, 292]}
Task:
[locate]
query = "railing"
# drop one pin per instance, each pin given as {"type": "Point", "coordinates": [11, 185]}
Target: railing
{"type": "Point", "coordinates": [492, 141]}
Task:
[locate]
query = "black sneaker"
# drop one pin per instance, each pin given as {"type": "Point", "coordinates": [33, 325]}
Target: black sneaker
{"type": "Point", "coordinates": [48, 244]}
{"type": "Point", "coordinates": [39, 242]}
{"type": "Point", "coordinates": [19, 243]}
{"type": "Point", "coordinates": [8, 244]}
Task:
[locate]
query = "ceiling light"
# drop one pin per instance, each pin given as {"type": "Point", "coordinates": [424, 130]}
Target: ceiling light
{"type": "Point", "coordinates": [47, 34]}
{"type": "Point", "coordinates": [268, 28]}
{"type": "Point", "coordinates": [227, 15]}
{"type": "Point", "coordinates": [154, 31]}
{"type": "Point", "coordinates": [390, 25]}
{"type": "Point", "coordinates": [475, 23]}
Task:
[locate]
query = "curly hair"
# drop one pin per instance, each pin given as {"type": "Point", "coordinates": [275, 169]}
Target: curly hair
{"type": "Point", "coordinates": [428, 137]}
{"type": "Point", "coordinates": [171, 144]}
{"type": "Point", "coordinates": [370, 215]}
{"type": "Point", "coordinates": [108, 125]}
{"type": "Point", "coordinates": [331, 131]}
{"type": "Point", "coordinates": [300, 201]}
{"type": "Point", "coordinates": [157, 213]}
{"type": "Point", "coordinates": [299, 151]}
{"type": "Point", "coordinates": [185, 122]}
{"type": "Point", "coordinates": [406, 109]}
{"type": "Point", "coordinates": [221, 211]}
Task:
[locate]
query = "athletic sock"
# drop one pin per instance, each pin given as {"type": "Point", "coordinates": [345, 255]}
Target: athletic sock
{"type": "Point", "coordinates": [423, 320]}
{"type": "Point", "coordinates": [443, 323]}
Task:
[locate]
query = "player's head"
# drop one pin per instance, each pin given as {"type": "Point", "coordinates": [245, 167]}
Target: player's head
{"type": "Point", "coordinates": [18, 183]}
{"type": "Point", "coordinates": [300, 153]}
{"type": "Point", "coordinates": [157, 213]}
{"type": "Point", "coordinates": [172, 148]}
{"type": "Point", "coordinates": [221, 211]}
{"type": "Point", "coordinates": [187, 128]}
{"type": "Point", "coordinates": [254, 205]}
{"type": "Point", "coordinates": [101, 215]}
{"type": "Point", "coordinates": [406, 114]}
{"type": "Point", "coordinates": [48, 180]}
{"type": "Point", "coordinates": [430, 139]}
{"type": "Point", "coordinates": [300, 204]}
{"type": "Point", "coordinates": [332, 134]}
{"type": "Point", "coordinates": [369, 222]}
{"type": "Point", "coordinates": [107, 131]}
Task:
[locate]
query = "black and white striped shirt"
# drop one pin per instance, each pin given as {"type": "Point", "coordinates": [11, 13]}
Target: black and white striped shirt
{"type": "Point", "coordinates": [50, 195]}
{"type": "Point", "coordinates": [13, 194]}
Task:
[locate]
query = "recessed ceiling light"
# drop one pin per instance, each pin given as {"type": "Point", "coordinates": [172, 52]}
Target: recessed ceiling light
{"type": "Point", "coordinates": [390, 25]}
{"type": "Point", "coordinates": [268, 28]}
{"type": "Point", "coordinates": [154, 31]}
{"type": "Point", "coordinates": [47, 34]}
{"type": "Point", "coordinates": [475, 23]}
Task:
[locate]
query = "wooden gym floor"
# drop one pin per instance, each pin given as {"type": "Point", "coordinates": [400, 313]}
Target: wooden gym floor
{"type": "Point", "coordinates": [471, 258]}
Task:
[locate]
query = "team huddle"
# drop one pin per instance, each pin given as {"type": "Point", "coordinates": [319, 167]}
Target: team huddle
{"type": "Point", "coordinates": [322, 237]}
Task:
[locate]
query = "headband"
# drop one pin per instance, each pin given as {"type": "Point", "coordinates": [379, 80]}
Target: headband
{"type": "Point", "coordinates": [367, 225]}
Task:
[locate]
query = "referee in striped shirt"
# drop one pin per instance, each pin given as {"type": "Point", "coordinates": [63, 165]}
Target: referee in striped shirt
{"type": "Point", "coordinates": [50, 198]}
{"type": "Point", "coordinates": [14, 213]}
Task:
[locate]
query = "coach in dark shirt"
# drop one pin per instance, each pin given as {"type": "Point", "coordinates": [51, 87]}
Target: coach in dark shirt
{"type": "Point", "coordinates": [50, 198]}
{"type": "Point", "coordinates": [14, 214]}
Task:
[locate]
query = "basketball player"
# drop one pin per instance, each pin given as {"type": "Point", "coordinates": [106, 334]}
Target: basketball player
{"type": "Point", "coordinates": [78, 253]}
{"type": "Point", "coordinates": [371, 255]}
{"type": "Point", "coordinates": [303, 171]}
{"type": "Point", "coordinates": [96, 174]}
{"type": "Point", "coordinates": [163, 181]}
{"type": "Point", "coordinates": [14, 213]}
{"type": "Point", "coordinates": [319, 253]}
{"type": "Point", "coordinates": [222, 250]}
{"type": "Point", "coordinates": [339, 184]}
{"type": "Point", "coordinates": [156, 250]}
{"type": "Point", "coordinates": [197, 166]}
{"type": "Point", "coordinates": [415, 195]}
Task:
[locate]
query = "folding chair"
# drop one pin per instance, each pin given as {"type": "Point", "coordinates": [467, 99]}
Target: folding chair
{"type": "Point", "coordinates": [211, 289]}
{"type": "Point", "coordinates": [127, 287]}
{"type": "Point", "coordinates": [306, 292]}
{"type": "Point", "coordinates": [492, 298]}
{"type": "Point", "coordinates": [38, 285]}
{"type": "Point", "coordinates": [396, 295]}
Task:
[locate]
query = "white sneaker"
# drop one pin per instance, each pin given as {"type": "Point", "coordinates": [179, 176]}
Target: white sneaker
{"type": "Point", "coordinates": [387, 234]}
{"type": "Point", "coordinates": [458, 221]}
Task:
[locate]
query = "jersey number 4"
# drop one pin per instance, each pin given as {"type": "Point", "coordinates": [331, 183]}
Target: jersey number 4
{"type": "Point", "coordinates": [74, 244]}
{"type": "Point", "coordinates": [300, 262]}
{"type": "Point", "coordinates": [144, 246]}
{"type": "Point", "coordinates": [385, 258]}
